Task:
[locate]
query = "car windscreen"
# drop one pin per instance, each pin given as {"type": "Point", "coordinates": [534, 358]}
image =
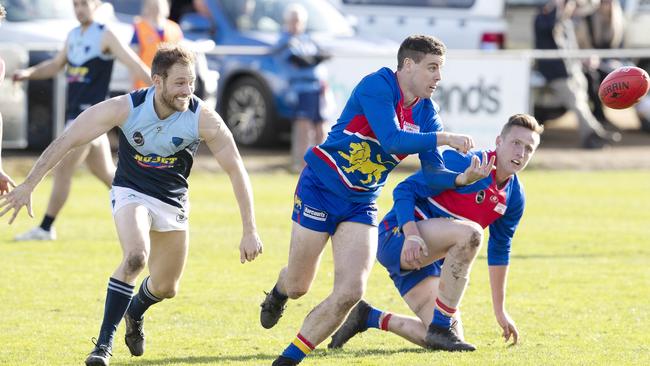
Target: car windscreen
{"type": "Point", "coordinates": [420, 3]}
{"type": "Point", "coordinates": [130, 7]}
{"type": "Point", "coordinates": [27, 10]}
{"type": "Point", "coordinates": [267, 16]}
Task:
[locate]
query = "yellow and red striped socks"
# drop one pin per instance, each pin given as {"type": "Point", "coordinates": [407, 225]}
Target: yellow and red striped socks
{"type": "Point", "coordinates": [298, 349]}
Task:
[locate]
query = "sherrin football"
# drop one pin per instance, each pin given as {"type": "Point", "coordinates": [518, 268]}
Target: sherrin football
{"type": "Point", "coordinates": [624, 87]}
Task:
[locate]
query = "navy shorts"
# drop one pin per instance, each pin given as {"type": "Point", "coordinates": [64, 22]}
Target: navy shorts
{"type": "Point", "coordinates": [309, 106]}
{"type": "Point", "coordinates": [389, 253]}
{"type": "Point", "coordinates": [317, 208]}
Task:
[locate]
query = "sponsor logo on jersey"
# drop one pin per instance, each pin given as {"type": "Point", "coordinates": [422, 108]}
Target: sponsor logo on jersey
{"type": "Point", "coordinates": [155, 161]}
{"type": "Point", "coordinates": [76, 74]}
{"type": "Point", "coordinates": [314, 214]}
{"type": "Point", "coordinates": [411, 127]}
{"type": "Point", "coordinates": [500, 208]}
{"type": "Point", "coordinates": [480, 196]}
{"type": "Point", "coordinates": [138, 139]}
{"type": "Point", "coordinates": [494, 199]}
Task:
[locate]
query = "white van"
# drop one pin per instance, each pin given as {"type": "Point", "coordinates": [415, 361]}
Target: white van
{"type": "Point", "coordinates": [460, 24]}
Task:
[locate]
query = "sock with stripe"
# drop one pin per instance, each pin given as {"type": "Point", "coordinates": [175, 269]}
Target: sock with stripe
{"type": "Point", "coordinates": [378, 319]}
{"type": "Point", "coordinates": [47, 222]}
{"type": "Point", "coordinates": [118, 297]}
{"type": "Point", "coordinates": [298, 349]}
{"type": "Point", "coordinates": [442, 315]}
{"type": "Point", "coordinates": [142, 301]}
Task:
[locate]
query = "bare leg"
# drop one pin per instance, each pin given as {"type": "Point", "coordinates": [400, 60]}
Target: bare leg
{"type": "Point", "coordinates": [100, 161]}
{"type": "Point", "coordinates": [300, 142]}
{"type": "Point", "coordinates": [304, 257]}
{"type": "Point", "coordinates": [132, 223]}
{"type": "Point", "coordinates": [63, 179]}
{"type": "Point", "coordinates": [166, 262]}
{"type": "Point", "coordinates": [354, 246]}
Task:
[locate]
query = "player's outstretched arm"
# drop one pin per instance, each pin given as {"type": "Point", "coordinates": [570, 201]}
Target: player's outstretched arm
{"type": "Point", "coordinates": [498, 279]}
{"type": "Point", "coordinates": [127, 56]}
{"type": "Point", "coordinates": [90, 124]}
{"type": "Point", "coordinates": [5, 180]}
{"type": "Point", "coordinates": [44, 70]}
{"type": "Point", "coordinates": [460, 142]}
{"type": "Point", "coordinates": [217, 136]}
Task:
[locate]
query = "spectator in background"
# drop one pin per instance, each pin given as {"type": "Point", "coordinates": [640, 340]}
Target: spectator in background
{"type": "Point", "coordinates": [554, 29]}
{"type": "Point", "coordinates": [87, 58]}
{"type": "Point", "coordinates": [602, 29]}
{"type": "Point", "coordinates": [151, 29]}
{"type": "Point", "coordinates": [308, 80]}
{"type": "Point", "coordinates": [5, 180]}
{"type": "Point", "coordinates": [179, 8]}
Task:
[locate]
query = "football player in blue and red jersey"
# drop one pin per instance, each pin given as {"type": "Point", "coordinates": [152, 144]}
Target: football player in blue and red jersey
{"type": "Point", "coordinates": [388, 116]}
{"type": "Point", "coordinates": [426, 225]}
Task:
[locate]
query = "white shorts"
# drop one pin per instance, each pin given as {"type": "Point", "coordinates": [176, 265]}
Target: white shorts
{"type": "Point", "coordinates": [162, 216]}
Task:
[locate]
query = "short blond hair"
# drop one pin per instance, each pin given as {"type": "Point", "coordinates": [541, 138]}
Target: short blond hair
{"type": "Point", "coordinates": [523, 120]}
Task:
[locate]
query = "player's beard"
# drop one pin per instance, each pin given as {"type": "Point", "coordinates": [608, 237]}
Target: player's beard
{"type": "Point", "coordinates": [170, 101]}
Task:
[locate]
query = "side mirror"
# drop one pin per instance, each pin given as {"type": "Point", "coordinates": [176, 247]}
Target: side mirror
{"type": "Point", "coordinates": [195, 23]}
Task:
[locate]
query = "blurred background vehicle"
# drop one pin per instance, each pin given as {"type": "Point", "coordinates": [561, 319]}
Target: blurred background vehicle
{"type": "Point", "coordinates": [35, 30]}
{"type": "Point", "coordinates": [255, 95]}
{"type": "Point", "coordinates": [462, 24]}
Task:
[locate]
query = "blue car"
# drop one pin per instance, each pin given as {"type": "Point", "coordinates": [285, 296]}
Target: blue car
{"type": "Point", "coordinates": [255, 95]}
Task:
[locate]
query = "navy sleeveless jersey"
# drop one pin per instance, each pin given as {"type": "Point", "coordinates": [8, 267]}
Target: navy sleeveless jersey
{"type": "Point", "coordinates": [88, 71]}
{"type": "Point", "coordinates": [156, 156]}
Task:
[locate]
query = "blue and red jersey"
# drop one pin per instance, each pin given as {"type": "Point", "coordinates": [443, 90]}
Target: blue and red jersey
{"type": "Point", "coordinates": [484, 202]}
{"type": "Point", "coordinates": [374, 133]}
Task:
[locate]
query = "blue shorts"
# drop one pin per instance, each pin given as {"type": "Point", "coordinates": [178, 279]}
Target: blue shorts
{"type": "Point", "coordinates": [389, 253]}
{"type": "Point", "coordinates": [309, 106]}
{"type": "Point", "coordinates": [317, 208]}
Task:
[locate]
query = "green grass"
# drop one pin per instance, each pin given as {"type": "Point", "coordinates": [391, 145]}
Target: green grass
{"type": "Point", "coordinates": [579, 284]}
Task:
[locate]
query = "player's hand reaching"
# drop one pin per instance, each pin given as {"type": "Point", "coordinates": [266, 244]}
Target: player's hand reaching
{"type": "Point", "coordinates": [250, 247]}
{"type": "Point", "coordinates": [16, 199]}
{"type": "Point", "coordinates": [5, 183]}
{"type": "Point", "coordinates": [415, 249]}
{"type": "Point", "coordinates": [509, 328]}
{"type": "Point", "coordinates": [477, 170]}
{"type": "Point", "coordinates": [20, 75]}
{"type": "Point", "coordinates": [462, 143]}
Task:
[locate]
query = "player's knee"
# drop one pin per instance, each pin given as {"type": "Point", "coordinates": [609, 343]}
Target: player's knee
{"type": "Point", "coordinates": [474, 236]}
{"type": "Point", "coordinates": [135, 262]}
{"type": "Point", "coordinates": [348, 297]}
{"type": "Point", "coordinates": [296, 291]}
{"type": "Point", "coordinates": [166, 291]}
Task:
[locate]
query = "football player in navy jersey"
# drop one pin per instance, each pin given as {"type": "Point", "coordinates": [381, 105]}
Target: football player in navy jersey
{"type": "Point", "coordinates": [428, 224]}
{"type": "Point", "coordinates": [389, 115]}
{"type": "Point", "coordinates": [87, 57]}
{"type": "Point", "coordinates": [159, 130]}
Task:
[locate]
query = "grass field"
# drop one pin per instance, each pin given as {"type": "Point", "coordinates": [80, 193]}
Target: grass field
{"type": "Point", "coordinates": [579, 285]}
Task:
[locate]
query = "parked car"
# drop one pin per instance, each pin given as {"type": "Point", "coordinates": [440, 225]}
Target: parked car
{"type": "Point", "coordinates": [461, 24]}
{"type": "Point", "coordinates": [255, 97]}
{"type": "Point", "coordinates": [34, 31]}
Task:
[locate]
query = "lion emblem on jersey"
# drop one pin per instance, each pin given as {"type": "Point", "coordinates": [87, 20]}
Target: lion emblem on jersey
{"type": "Point", "coordinates": [361, 161]}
